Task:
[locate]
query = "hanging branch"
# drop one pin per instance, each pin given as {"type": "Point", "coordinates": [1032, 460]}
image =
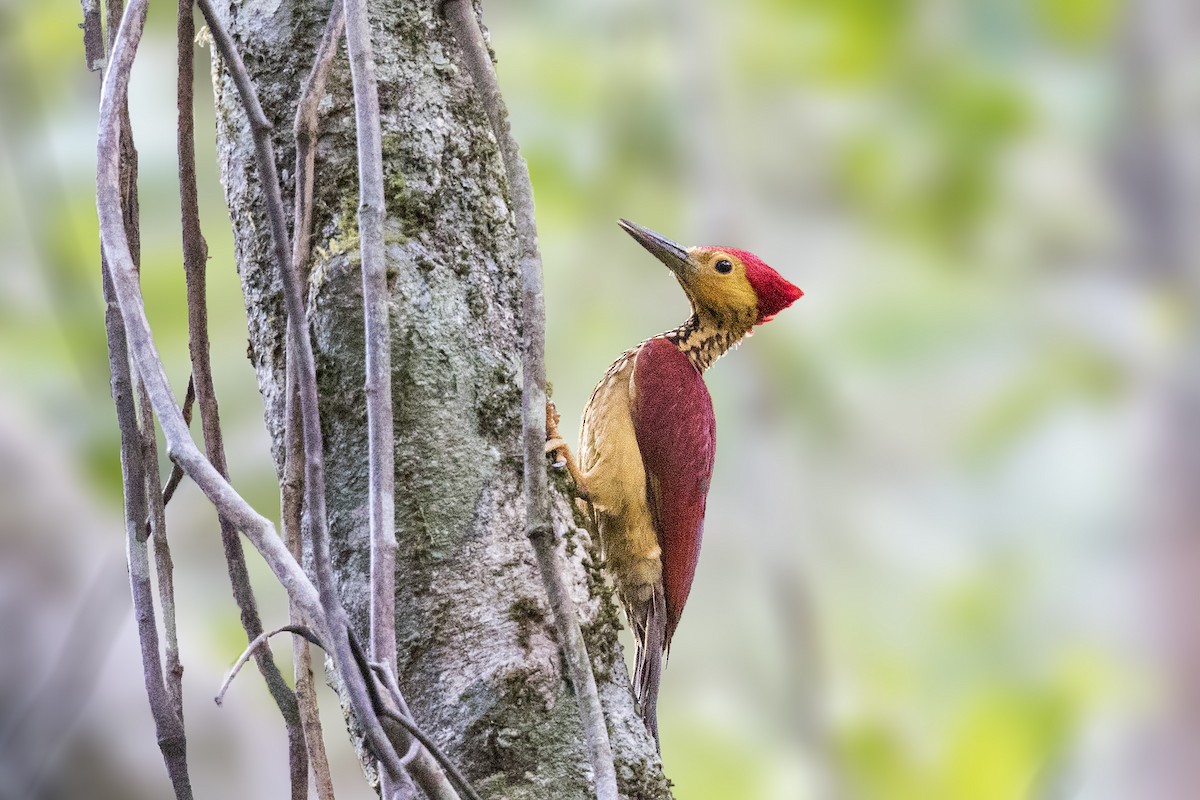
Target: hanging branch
{"type": "Point", "coordinates": [478, 61]}
{"type": "Point", "coordinates": [291, 509]}
{"type": "Point", "coordinates": [168, 725]}
{"type": "Point", "coordinates": [164, 568]}
{"type": "Point", "coordinates": [375, 316]}
{"type": "Point", "coordinates": [195, 266]}
{"type": "Point", "coordinates": [155, 526]}
{"type": "Point", "coordinates": [292, 483]}
{"type": "Point", "coordinates": [305, 125]}
{"type": "Point", "coordinates": [176, 476]}
{"type": "Point", "coordinates": [93, 35]}
{"type": "Point", "coordinates": [380, 435]}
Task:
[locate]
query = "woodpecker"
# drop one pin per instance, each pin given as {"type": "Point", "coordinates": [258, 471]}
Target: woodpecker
{"type": "Point", "coordinates": [648, 439]}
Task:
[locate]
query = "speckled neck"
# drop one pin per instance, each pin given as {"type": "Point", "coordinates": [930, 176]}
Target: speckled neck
{"type": "Point", "coordinates": [704, 340]}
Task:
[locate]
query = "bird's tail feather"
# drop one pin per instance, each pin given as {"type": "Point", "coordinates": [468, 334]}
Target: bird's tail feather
{"type": "Point", "coordinates": [650, 627]}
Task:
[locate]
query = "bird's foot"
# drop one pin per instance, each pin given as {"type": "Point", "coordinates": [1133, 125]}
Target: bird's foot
{"type": "Point", "coordinates": [557, 446]}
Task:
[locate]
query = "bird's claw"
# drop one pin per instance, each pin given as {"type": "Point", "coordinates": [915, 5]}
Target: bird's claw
{"type": "Point", "coordinates": [557, 448]}
{"type": "Point", "coordinates": [555, 444]}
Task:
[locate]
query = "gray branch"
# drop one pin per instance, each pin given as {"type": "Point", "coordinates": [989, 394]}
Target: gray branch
{"type": "Point", "coordinates": [380, 435]}
{"type": "Point", "coordinates": [93, 35]}
{"type": "Point", "coordinates": [164, 567]}
{"type": "Point", "coordinates": [122, 177]}
{"type": "Point", "coordinates": [533, 412]}
{"type": "Point", "coordinates": [176, 476]}
{"type": "Point", "coordinates": [292, 482]}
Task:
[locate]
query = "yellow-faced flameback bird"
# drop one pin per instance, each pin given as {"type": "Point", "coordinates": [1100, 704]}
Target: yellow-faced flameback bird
{"type": "Point", "coordinates": [648, 439]}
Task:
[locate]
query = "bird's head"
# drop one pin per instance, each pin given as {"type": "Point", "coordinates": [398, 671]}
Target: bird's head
{"type": "Point", "coordinates": [725, 285]}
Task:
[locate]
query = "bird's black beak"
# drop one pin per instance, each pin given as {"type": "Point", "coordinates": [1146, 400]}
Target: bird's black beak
{"type": "Point", "coordinates": [673, 254]}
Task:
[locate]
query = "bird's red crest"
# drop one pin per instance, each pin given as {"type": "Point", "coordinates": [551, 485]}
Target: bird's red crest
{"type": "Point", "coordinates": [775, 293]}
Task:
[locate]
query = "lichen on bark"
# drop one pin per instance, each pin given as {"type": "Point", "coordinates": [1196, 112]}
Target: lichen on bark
{"type": "Point", "coordinates": [486, 681]}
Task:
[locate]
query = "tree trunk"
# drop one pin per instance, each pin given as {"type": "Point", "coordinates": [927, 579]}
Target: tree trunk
{"type": "Point", "coordinates": [477, 657]}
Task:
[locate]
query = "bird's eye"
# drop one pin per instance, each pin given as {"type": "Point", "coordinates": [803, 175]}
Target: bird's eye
{"type": "Point", "coordinates": [724, 266]}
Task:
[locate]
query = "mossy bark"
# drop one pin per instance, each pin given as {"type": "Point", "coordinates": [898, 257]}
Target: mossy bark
{"type": "Point", "coordinates": [477, 656]}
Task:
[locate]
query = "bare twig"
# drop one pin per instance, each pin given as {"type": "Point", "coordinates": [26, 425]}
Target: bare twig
{"type": "Point", "coordinates": [292, 483]}
{"type": "Point", "coordinates": [388, 678]}
{"type": "Point", "coordinates": [176, 476]}
{"type": "Point", "coordinates": [380, 439]}
{"type": "Point", "coordinates": [121, 174]}
{"type": "Point", "coordinates": [375, 316]}
{"type": "Point", "coordinates": [168, 726]}
{"type": "Point", "coordinates": [434, 782]}
{"type": "Point", "coordinates": [415, 732]}
{"type": "Point", "coordinates": [306, 694]}
{"type": "Point", "coordinates": [306, 137]}
{"type": "Point", "coordinates": [163, 566]}
{"type": "Point", "coordinates": [291, 504]}
{"type": "Point", "coordinates": [478, 62]}
{"type": "Point", "coordinates": [256, 643]}
{"type": "Point", "coordinates": [93, 35]}
{"type": "Point", "coordinates": [310, 717]}
{"type": "Point", "coordinates": [195, 261]}
{"type": "Point", "coordinates": [167, 723]}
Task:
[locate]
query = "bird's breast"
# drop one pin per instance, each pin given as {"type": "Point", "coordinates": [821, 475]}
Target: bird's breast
{"type": "Point", "coordinates": [616, 481]}
{"type": "Point", "coordinates": [607, 442]}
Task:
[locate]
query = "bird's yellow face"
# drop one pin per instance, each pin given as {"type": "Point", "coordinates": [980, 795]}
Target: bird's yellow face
{"type": "Point", "coordinates": [716, 284]}
{"type": "Point", "coordinates": [728, 287]}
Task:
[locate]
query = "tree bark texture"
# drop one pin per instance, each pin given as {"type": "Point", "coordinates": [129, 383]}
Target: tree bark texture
{"type": "Point", "coordinates": [477, 657]}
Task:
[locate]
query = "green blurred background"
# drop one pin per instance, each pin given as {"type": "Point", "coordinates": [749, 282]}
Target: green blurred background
{"type": "Point", "coordinates": [924, 562]}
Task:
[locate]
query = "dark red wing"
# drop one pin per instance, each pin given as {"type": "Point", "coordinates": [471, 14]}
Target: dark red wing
{"type": "Point", "coordinates": [676, 433]}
